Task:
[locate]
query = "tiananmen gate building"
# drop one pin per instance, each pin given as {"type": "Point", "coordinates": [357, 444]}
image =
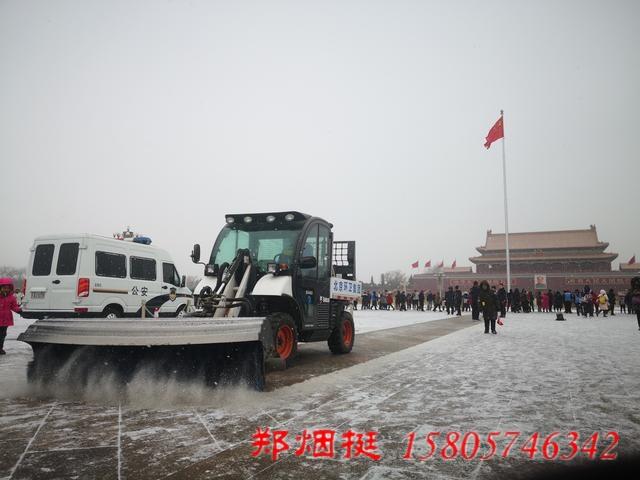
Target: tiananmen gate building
{"type": "Point", "coordinates": [557, 260]}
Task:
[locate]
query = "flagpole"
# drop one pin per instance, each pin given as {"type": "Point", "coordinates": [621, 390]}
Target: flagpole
{"type": "Point", "coordinates": [506, 212]}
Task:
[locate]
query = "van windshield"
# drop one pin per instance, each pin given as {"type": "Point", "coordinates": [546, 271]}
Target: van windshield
{"type": "Point", "coordinates": [265, 245]}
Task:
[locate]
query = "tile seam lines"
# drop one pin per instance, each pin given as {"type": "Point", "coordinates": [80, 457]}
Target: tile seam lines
{"type": "Point", "coordinates": [15, 467]}
{"type": "Point", "coordinates": [119, 441]}
{"type": "Point", "coordinates": [286, 422]}
{"type": "Point", "coordinates": [72, 449]}
{"type": "Point", "coordinates": [341, 424]}
{"type": "Point", "coordinates": [207, 429]}
{"type": "Point", "coordinates": [474, 475]}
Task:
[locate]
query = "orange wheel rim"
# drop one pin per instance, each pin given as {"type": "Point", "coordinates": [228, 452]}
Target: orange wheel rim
{"type": "Point", "coordinates": [284, 340]}
{"type": "Point", "coordinates": [347, 332]}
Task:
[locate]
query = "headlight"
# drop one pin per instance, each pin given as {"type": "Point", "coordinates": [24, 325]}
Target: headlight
{"type": "Point", "coordinates": [230, 219]}
{"type": "Point", "coordinates": [271, 218]}
{"type": "Point", "coordinates": [248, 219]}
{"type": "Point", "coordinates": [289, 216]}
{"type": "Point", "coordinates": [271, 267]}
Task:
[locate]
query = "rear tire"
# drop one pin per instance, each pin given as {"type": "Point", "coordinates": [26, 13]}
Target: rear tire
{"type": "Point", "coordinates": [343, 335]}
{"type": "Point", "coordinates": [181, 312]}
{"type": "Point", "coordinates": [111, 312]}
{"type": "Point", "coordinates": [285, 338]}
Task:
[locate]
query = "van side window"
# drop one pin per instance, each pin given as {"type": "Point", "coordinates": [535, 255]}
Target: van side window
{"type": "Point", "coordinates": [142, 268]}
{"type": "Point", "coordinates": [170, 274]}
{"type": "Point", "coordinates": [67, 259]}
{"type": "Point", "coordinates": [111, 265]}
{"type": "Point", "coordinates": [42, 260]}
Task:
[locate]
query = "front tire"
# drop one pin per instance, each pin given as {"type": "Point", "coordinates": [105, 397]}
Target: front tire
{"type": "Point", "coordinates": [343, 335]}
{"type": "Point", "coordinates": [285, 337]}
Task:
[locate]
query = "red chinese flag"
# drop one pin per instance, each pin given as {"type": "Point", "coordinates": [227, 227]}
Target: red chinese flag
{"type": "Point", "coordinates": [632, 260]}
{"type": "Point", "coordinates": [496, 133]}
{"type": "Point", "coordinates": [428, 264]}
{"type": "Point", "coordinates": [415, 264]}
{"type": "Point", "coordinates": [441, 264]}
{"type": "Point", "coordinates": [453, 265]}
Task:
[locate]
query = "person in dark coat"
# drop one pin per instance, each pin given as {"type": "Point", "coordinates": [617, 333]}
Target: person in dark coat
{"type": "Point", "coordinates": [502, 300]}
{"type": "Point", "coordinates": [403, 301]}
{"type": "Point", "coordinates": [635, 298]}
{"type": "Point", "coordinates": [515, 306]}
{"type": "Point", "coordinates": [448, 299]}
{"type": "Point", "coordinates": [524, 301]}
{"type": "Point", "coordinates": [587, 302]}
{"type": "Point", "coordinates": [612, 301]}
{"type": "Point", "coordinates": [489, 306]}
{"type": "Point", "coordinates": [558, 301]}
{"type": "Point", "coordinates": [475, 294]}
{"type": "Point", "coordinates": [421, 301]}
{"type": "Point", "coordinates": [457, 300]}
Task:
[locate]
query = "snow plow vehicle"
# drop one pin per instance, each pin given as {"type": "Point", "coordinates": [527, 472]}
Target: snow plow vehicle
{"type": "Point", "coordinates": [272, 280]}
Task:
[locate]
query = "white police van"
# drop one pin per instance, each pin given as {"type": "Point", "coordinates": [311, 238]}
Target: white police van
{"type": "Point", "coordinates": [94, 276]}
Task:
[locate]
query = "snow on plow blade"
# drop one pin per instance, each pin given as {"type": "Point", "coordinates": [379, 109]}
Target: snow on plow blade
{"type": "Point", "coordinates": [227, 351]}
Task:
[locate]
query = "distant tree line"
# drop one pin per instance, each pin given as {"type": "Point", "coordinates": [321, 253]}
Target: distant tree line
{"type": "Point", "coordinates": [17, 274]}
{"type": "Point", "coordinates": [392, 280]}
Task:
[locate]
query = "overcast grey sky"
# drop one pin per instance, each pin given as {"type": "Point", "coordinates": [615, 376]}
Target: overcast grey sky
{"type": "Point", "coordinates": [165, 115]}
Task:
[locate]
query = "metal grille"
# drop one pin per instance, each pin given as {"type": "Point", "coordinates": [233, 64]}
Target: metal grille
{"type": "Point", "coordinates": [323, 315]}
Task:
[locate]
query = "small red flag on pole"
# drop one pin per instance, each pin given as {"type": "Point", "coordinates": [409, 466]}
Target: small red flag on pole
{"type": "Point", "coordinates": [428, 264]}
{"type": "Point", "coordinates": [441, 264]}
{"type": "Point", "coordinates": [496, 133]}
{"type": "Point", "coordinates": [632, 260]}
{"type": "Point", "coordinates": [415, 264]}
{"type": "Point", "coordinates": [453, 265]}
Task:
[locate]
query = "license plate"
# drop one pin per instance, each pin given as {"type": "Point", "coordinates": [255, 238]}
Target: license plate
{"type": "Point", "coordinates": [37, 295]}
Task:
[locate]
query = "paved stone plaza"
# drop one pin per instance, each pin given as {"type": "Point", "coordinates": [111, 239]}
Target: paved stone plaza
{"type": "Point", "coordinates": [536, 375]}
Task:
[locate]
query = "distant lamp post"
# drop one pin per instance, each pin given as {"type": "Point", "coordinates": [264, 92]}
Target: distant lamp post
{"type": "Point", "coordinates": [440, 277]}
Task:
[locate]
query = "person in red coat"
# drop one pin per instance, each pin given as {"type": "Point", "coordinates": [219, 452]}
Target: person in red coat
{"type": "Point", "coordinates": [8, 304]}
{"type": "Point", "coordinates": [545, 302]}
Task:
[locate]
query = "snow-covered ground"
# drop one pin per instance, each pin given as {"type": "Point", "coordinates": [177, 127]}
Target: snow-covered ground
{"type": "Point", "coordinates": [372, 320]}
{"type": "Point", "coordinates": [536, 375]}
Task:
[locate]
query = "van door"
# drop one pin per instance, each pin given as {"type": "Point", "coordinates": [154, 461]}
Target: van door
{"type": "Point", "coordinates": [145, 284]}
{"type": "Point", "coordinates": [64, 278]}
{"type": "Point", "coordinates": [170, 280]}
{"type": "Point", "coordinates": [39, 280]}
{"type": "Point", "coordinates": [111, 286]}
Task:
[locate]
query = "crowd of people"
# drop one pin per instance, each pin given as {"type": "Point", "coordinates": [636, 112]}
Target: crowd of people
{"type": "Point", "coordinates": [453, 301]}
{"type": "Point", "coordinates": [491, 301]}
{"type": "Point", "coordinates": [585, 301]}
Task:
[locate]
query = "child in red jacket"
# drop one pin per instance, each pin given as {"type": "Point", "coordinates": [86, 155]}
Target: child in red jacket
{"type": "Point", "coordinates": [8, 304]}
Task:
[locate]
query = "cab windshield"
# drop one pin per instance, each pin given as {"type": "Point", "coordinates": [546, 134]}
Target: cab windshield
{"type": "Point", "coordinates": [266, 246]}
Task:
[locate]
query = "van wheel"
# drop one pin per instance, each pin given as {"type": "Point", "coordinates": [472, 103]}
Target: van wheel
{"type": "Point", "coordinates": [112, 312]}
{"type": "Point", "coordinates": [181, 312]}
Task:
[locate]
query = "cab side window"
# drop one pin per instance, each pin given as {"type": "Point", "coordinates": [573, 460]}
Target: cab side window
{"type": "Point", "coordinates": [324, 240]}
{"type": "Point", "coordinates": [310, 249]}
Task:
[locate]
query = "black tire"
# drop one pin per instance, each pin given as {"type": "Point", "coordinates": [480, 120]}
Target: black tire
{"type": "Point", "coordinates": [285, 337]}
{"type": "Point", "coordinates": [343, 335]}
{"type": "Point", "coordinates": [181, 310]}
{"type": "Point", "coordinates": [112, 312]}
